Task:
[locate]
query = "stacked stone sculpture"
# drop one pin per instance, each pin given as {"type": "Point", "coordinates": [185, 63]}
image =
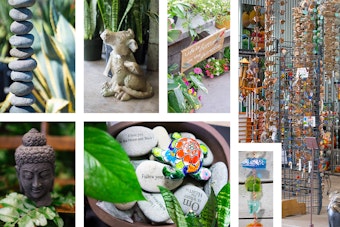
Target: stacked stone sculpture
{"type": "Point", "coordinates": [22, 68]}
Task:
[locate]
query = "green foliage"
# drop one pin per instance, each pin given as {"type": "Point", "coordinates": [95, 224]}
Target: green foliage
{"type": "Point", "coordinates": [19, 211]}
{"type": "Point", "coordinates": [182, 96]}
{"type": "Point", "coordinates": [107, 165]}
{"type": "Point", "coordinates": [90, 18]}
{"type": "Point", "coordinates": [59, 199]}
{"type": "Point", "coordinates": [216, 212]}
{"type": "Point", "coordinates": [173, 207]}
{"type": "Point", "coordinates": [173, 34]}
{"type": "Point", "coordinates": [5, 34]}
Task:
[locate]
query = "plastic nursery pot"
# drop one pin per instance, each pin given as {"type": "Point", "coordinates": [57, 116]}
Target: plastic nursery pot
{"type": "Point", "coordinates": [203, 131]}
{"type": "Point", "coordinates": [93, 49]}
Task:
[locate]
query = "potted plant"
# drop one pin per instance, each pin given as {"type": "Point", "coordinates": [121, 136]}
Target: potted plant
{"type": "Point", "coordinates": [94, 141]}
{"type": "Point", "coordinates": [92, 41]}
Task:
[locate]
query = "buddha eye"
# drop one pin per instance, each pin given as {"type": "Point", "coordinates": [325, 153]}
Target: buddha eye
{"type": "Point", "coordinates": [27, 175]}
{"type": "Point", "coordinates": [45, 174]}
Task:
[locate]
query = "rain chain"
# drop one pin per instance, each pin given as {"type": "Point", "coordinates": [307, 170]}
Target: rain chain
{"type": "Point", "coordinates": [253, 185]}
{"type": "Point", "coordinates": [22, 68]}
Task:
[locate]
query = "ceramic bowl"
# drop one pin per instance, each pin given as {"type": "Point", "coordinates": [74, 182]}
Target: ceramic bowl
{"type": "Point", "coordinates": [203, 131]}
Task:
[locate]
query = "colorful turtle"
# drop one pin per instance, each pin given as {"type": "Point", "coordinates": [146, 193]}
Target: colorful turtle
{"type": "Point", "coordinates": [185, 155]}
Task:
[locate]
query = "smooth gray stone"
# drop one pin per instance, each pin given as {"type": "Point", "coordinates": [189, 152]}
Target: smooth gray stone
{"type": "Point", "coordinates": [26, 100]}
{"type": "Point", "coordinates": [21, 27]}
{"type": "Point", "coordinates": [137, 140]}
{"type": "Point", "coordinates": [20, 14]}
{"type": "Point", "coordinates": [23, 65]}
{"type": "Point", "coordinates": [112, 210]}
{"type": "Point", "coordinates": [22, 76]}
{"type": "Point", "coordinates": [192, 198]}
{"type": "Point", "coordinates": [21, 53]}
{"type": "Point", "coordinates": [21, 109]}
{"type": "Point", "coordinates": [22, 41]}
{"type": "Point", "coordinates": [21, 3]}
{"type": "Point", "coordinates": [154, 207]}
{"type": "Point", "coordinates": [219, 178]}
{"type": "Point", "coordinates": [21, 88]}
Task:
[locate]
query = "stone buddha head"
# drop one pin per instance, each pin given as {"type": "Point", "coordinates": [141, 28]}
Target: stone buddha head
{"type": "Point", "coordinates": [35, 168]}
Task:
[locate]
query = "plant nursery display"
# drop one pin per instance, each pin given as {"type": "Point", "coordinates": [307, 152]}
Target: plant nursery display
{"type": "Point", "coordinates": [162, 159]}
{"type": "Point", "coordinates": [289, 89]}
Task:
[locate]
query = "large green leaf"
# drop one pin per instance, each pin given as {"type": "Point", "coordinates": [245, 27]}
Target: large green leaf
{"type": "Point", "coordinates": [208, 214]}
{"type": "Point", "coordinates": [173, 207]}
{"type": "Point", "coordinates": [223, 206]}
{"type": "Point", "coordinates": [8, 214]}
{"type": "Point", "coordinates": [192, 220]}
{"type": "Point", "coordinates": [108, 173]}
{"type": "Point", "coordinates": [198, 83]}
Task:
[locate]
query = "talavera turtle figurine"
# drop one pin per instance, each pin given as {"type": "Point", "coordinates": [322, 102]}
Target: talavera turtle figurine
{"type": "Point", "coordinates": [185, 155]}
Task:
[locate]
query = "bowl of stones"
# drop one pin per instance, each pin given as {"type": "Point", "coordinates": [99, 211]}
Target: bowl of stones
{"type": "Point", "coordinates": [189, 158]}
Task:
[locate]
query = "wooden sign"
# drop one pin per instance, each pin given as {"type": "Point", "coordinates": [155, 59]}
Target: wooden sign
{"type": "Point", "coordinates": [201, 50]}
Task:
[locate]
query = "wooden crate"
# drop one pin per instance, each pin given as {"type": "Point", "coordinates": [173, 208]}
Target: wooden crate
{"type": "Point", "coordinates": [292, 207]}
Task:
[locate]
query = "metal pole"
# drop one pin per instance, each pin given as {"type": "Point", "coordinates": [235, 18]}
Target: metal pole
{"type": "Point", "coordinates": [311, 191]}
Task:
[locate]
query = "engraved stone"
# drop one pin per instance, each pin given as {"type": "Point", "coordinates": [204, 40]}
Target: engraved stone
{"type": "Point", "coordinates": [150, 176]}
{"type": "Point", "coordinates": [20, 14]}
{"type": "Point", "coordinates": [21, 89]}
{"type": "Point", "coordinates": [26, 100]}
{"type": "Point", "coordinates": [21, 76]}
{"type": "Point", "coordinates": [21, 3]}
{"type": "Point", "coordinates": [154, 207]}
{"type": "Point", "coordinates": [21, 27]}
{"type": "Point", "coordinates": [21, 53]}
{"type": "Point", "coordinates": [23, 65]}
{"type": "Point", "coordinates": [137, 140]}
{"type": "Point", "coordinates": [162, 136]}
{"type": "Point", "coordinates": [191, 198]}
{"type": "Point", "coordinates": [22, 41]}
{"type": "Point", "coordinates": [219, 178]}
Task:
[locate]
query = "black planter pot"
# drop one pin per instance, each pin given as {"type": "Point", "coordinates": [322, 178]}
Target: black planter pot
{"type": "Point", "coordinates": [93, 49]}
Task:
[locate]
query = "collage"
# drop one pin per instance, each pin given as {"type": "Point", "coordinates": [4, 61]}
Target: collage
{"type": "Point", "coordinates": [187, 113]}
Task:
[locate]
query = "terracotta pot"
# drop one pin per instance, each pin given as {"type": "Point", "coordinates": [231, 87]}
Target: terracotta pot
{"type": "Point", "coordinates": [203, 131]}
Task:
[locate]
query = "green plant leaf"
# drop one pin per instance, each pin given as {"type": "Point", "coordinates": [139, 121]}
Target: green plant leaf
{"type": "Point", "coordinates": [208, 214]}
{"type": "Point", "coordinates": [8, 214]}
{"type": "Point", "coordinates": [38, 218]}
{"type": "Point", "coordinates": [192, 220]}
{"type": "Point", "coordinates": [9, 224]}
{"type": "Point", "coordinates": [173, 207]}
{"type": "Point", "coordinates": [26, 221]}
{"type": "Point", "coordinates": [223, 206]}
{"type": "Point", "coordinates": [180, 98]}
{"type": "Point", "coordinates": [198, 83]}
{"type": "Point", "coordinates": [173, 106]}
{"type": "Point", "coordinates": [108, 173]}
{"type": "Point", "coordinates": [55, 105]}
{"type": "Point", "coordinates": [58, 221]}
{"type": "Point", "coordinates": [48, 212]}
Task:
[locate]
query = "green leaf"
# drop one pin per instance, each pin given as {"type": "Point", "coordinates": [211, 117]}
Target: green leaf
{"type": "Point", "coordinates": [192, 220]}
{"type": "Point", "coordinates": [58, 221]}
{"type": "Point", "coordinates": [180, 98]}
{"type": "Point", "coordinates": [108, 173]}
{"type": "Point", "coordinates": [223, 206]}
{"type": "Point", "coordinates": [173, 207]}
{"type": "Point", "coordinates": [25, 221]}
{"type": "Point", "coordinates": [38, 218]}
{"type": "Point", "coordinates": [208, 214]}
{"type": "Point", "coordinates": [47, 212]}
{"type": "Point", "coordinates": [198, 83]}
{"type": "Point", "coordinates": [9, 224]}
{"type": "Point", "coordinates": [8, 214]}
{"type": "Point", "coordinates": [55, 105]}
{"type": "Point", "coordinates": [173, 106]}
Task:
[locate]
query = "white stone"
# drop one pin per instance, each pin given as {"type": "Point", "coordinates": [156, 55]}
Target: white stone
{"type": "Point", "coordinates": [188, 135]}
{"type": "Point", "coordinates": [219, 178]}
{"type": "Point", "coordinates": [111, 209]}
{"type": "Point", "coordinates": [136, 163]}
{"type": "Point", "coordinates": [191, 198]}
{"type": "Point", "coordinates": [125, 206]}
{"type": "Point", "coordinates": [209, 158]}
{"type": "Point", "coordinates": [154, 207]}
{"type": "Point", "coordinates": [137, 140]}
{"type": "Point", "coordinates": [162, 137]}
{"type": "Point", "coordinates": [150, 176]}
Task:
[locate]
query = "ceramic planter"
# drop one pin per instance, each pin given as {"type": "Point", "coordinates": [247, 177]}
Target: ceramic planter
{"type": "Point", "coordinates": [206, 132]}
{"type": "Point", "coordinates": [93, 49]}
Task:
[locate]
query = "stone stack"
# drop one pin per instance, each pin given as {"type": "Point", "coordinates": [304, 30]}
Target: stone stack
{"type": "Point", "coordinates": [24, 65]}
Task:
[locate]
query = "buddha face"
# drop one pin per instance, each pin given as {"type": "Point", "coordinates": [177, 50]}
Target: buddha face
{"type": "Point", "coordinates": [36, 180]}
